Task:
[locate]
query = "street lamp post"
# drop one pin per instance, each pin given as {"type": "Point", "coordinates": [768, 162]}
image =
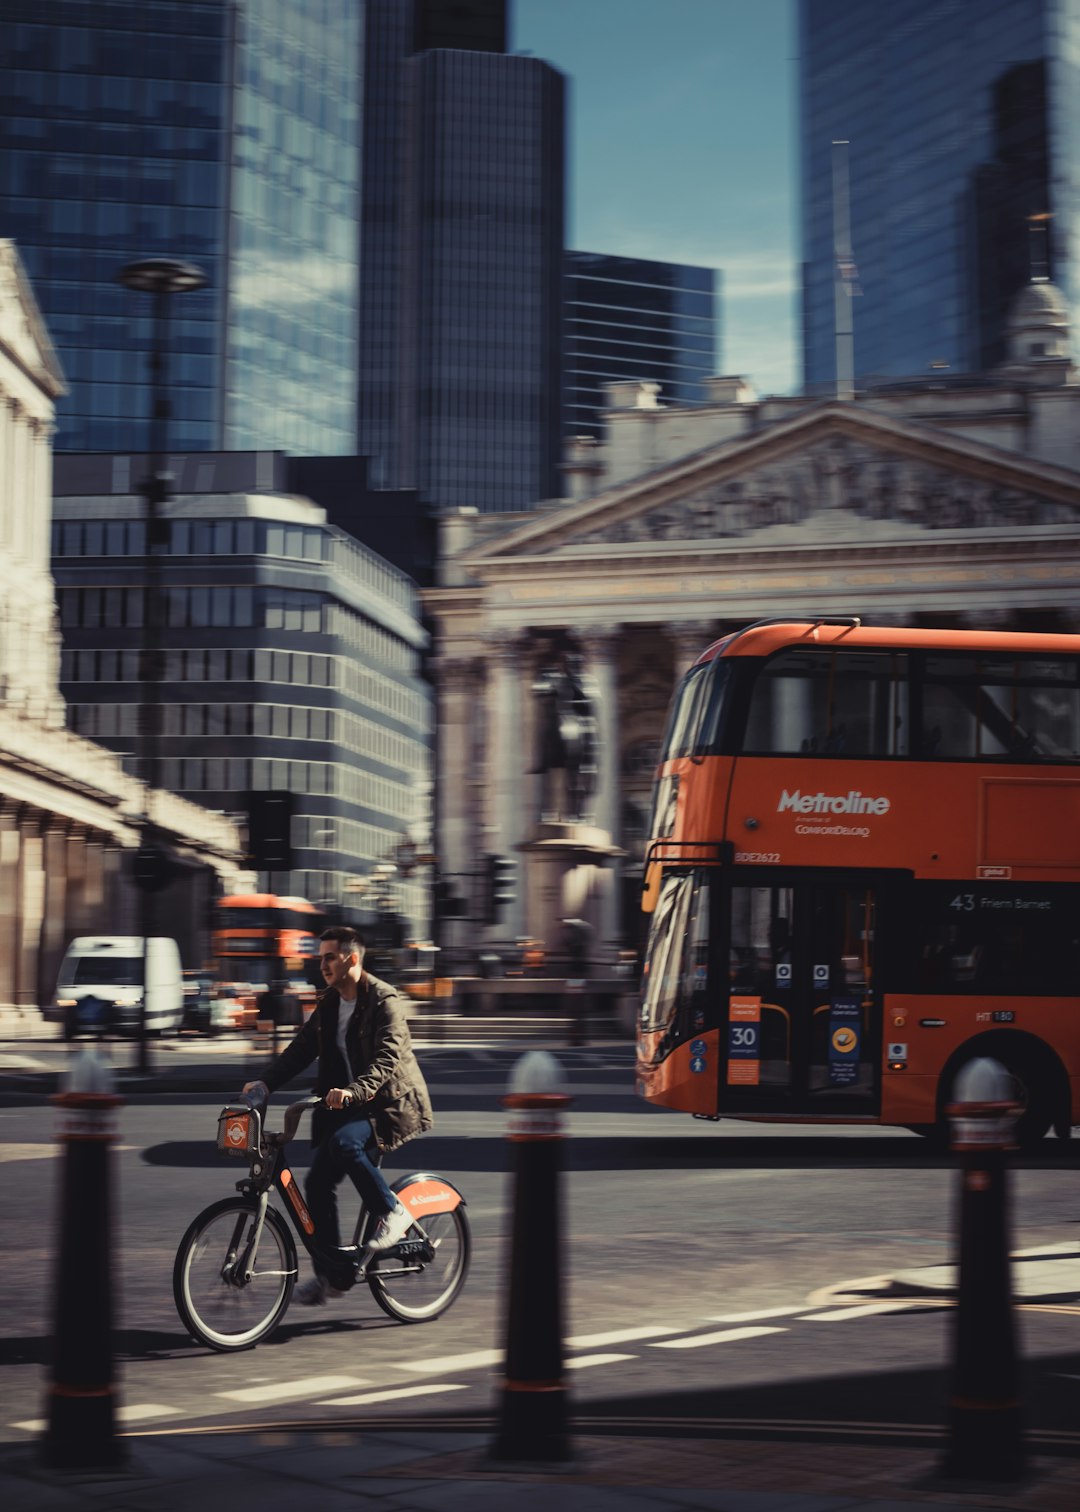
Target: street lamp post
{"type": "Point", "coordinates": [160, 277]}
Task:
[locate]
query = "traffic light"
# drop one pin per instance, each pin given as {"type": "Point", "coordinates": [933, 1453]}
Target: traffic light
{"type": "Point", "coordinates": [151, 867]}
{"type": "Point", "coordinates": [500, 890]}
{"type": "Point", "coordinates": [448, 904]}
{"type": "Point", "coordinates": [270, 831]}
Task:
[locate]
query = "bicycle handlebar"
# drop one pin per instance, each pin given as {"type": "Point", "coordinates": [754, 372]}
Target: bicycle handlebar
{"type": "Point", "coordinates": [293, 1114]}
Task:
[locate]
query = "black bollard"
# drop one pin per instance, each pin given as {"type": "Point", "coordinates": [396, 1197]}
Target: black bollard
{"type": "Point", "coordinates": [534, 1407]}
{"type": "Point", "coordinates": [81, 1402]}
{"type": "Point", "coordinates": [986, 1431]}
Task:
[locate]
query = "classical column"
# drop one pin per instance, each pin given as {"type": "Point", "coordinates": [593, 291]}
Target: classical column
{"type": "Point", "coordinates": [76, 915]}
{"type": "Point", "coordinates": [17, 479]}
{"type": "Point", "coordinates": [689, 639]}
{"type": "Point", "coordinates": [507, 763]}
{"type": "Point", "coordinates": [94, 883]}
{"type": "Point", "coordinates": [601, 648]}
{"type": "Point", "coordinates": [7, 475]}
{"type": "Point", "coordinates": [54, 907]}
{"type": "Point", "coordinates": [10, 846]}
{"type": "Point", "coordinates": [459, 684]}
{"type": "Point", "coordinates": [30, 907]}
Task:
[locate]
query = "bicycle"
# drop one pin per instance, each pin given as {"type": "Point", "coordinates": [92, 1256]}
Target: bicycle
{"type": "Point", "coordinates": [236, 1265]}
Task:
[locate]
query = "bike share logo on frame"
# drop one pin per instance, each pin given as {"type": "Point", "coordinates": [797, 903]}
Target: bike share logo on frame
{"type": "Point", "coordinates": [291, 1192]}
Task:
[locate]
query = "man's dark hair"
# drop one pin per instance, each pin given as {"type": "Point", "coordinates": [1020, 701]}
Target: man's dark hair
{"type": "Point", "coordinates": [348, 939]}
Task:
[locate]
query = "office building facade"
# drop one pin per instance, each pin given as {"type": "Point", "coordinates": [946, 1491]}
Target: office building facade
{"type": "Point", "coordinates": [462, 217]}
{"type": "Point", "coordinates": [221, 133]}
{"type": "Point", "coordinates": [962, 121]}
{"type": "Point", "coordinates": [628, 318]}
{"type": "Point", "coordinates": [292, 660]}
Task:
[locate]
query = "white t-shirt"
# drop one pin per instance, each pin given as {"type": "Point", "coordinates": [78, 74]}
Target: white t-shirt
{"type": "Point", "coordinates": [345, 1013]}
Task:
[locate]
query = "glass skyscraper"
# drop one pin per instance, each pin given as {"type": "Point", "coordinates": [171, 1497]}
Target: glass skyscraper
{"type": "Point", "coordinates": [628, 318]}
{"type": "Point", "coordinates": [222, 133]}
{"type": "Point", "coordinates": [963, 120]}
{"type": "Point", "coordinates": [461, 250]}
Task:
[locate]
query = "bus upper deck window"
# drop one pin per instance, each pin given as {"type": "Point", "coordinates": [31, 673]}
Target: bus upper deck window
{"type": "Point", "coordinates": [819, 701]}
{"type": "Point", "coordinates": [982, 706]}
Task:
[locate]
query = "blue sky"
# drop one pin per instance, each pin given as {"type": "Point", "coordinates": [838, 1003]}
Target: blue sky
{"type": "Point", "coordinates": [682, 147]}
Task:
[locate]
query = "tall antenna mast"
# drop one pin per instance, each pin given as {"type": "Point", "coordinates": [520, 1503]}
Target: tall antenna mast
{"type": "Point", "coordinates": [1038, 229]}
{"type": "Point", "coordinates": [845, 273]}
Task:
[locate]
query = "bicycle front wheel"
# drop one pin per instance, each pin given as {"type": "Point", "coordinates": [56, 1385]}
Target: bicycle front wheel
{"type": "Point", "coordinates": [216, 1309]}
{"type": "Point", "coordinates": [417, 1291]}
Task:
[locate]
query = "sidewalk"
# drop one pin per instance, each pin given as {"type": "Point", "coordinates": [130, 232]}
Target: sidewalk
{"type": "Point", "coordinates": [413, 1468]}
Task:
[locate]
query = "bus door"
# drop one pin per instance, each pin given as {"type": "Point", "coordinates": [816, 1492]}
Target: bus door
{"type": "Point", "coordinates": [803, 1022]}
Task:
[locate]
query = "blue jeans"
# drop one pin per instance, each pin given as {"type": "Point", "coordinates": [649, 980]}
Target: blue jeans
{"type": "Point", "coordinates": [345, 1152]}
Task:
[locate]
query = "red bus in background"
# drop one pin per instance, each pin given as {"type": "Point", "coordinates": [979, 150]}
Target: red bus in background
{"type": "Point", "coordinates": [864, 870]}
{"type": "Point", "coordinates": [258, 939]}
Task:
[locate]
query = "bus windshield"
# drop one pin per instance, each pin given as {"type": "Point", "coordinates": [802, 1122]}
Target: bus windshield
{"type": "Point", "coordinates": [697, 711]}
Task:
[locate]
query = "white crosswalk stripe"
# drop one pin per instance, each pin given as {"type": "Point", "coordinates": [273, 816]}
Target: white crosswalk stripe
{"type": "Point", "coordinates": [395, 1395]}
{"type": "Point", "coordinates": [281, 1391]}
{"type": "Point", "coordinates": [725, 1336]}
{"type": "Point", "coordinates": [861, 1310]}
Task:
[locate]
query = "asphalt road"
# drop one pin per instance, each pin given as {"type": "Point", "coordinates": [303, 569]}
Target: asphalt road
{"type": "Point", "coordinates": [714, 1274]}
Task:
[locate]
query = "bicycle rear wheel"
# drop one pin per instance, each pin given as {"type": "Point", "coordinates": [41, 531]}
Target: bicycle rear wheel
{"type": "Point", "coordinates": [415, 1291]}
{"type": "Point", "coordinates": [213, 1308]}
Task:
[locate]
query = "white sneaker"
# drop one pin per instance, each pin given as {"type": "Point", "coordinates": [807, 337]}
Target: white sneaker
{"type": "Point", "coordinates": [390, 1230]}
{"type": "Point", "coordinates": [316, 1292]}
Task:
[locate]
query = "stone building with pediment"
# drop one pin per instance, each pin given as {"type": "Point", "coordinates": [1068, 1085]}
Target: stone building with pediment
{"type": "Point", "coordinates": [949, 502]}
{"type": "Point", "coordinates": [69, 813]}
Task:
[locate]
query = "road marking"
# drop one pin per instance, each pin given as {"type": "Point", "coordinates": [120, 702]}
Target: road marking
{"type": "Point", "coordinates": [618, 1336]}
{"type": "Point", "coordinates": [584, 1361]}
{"type": "Point", "coordinates": [753, 1317]}
{"type": "Point", "coordinates": [279, 1391]}
{"type": "Point", "coordinates": [866, 1310]}
{"type": "Point", "coordinates": [388, 1396]}
{"type": "Point", "coordinates": [9, 1152]}
{"type": "Point", "coordinates": [725, 1336]}
{"type": "Point", "coordinates": [138, 1412]}
{"type": "Point", "coordinates": [444, 1363]}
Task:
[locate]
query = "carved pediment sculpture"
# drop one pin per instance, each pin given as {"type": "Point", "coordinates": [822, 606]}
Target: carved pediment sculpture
{"type": "Point", "coordinates": [836, 474]}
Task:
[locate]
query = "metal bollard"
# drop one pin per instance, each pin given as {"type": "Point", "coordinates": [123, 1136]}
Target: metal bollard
{"type": "Point", "coordinates": [533, 1408]}
{"type": "Point", "coordinates": [986, 1433]}
{"type": "Point", "coordinates": [81, 1401]}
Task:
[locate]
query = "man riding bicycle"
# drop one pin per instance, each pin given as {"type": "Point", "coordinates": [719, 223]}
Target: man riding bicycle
{"type": "Point", "coordinates": [374, 1092]}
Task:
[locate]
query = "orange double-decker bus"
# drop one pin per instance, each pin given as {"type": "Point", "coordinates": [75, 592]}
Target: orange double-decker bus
{"type": "Point", "coordinates": [259, 938]}
{"type": "Point", "coordinates": [863, 871]}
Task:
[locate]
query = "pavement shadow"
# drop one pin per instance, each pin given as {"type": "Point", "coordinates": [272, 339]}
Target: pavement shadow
{"type": "Point", "coordinates": [785, 1152]}
{"type": "Point", "coordinates": [128, 1344]}
{"type": "Point", "coordinates": [885, 1407]}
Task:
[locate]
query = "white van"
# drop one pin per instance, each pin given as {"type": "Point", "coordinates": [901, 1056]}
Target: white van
{"type": "Point", "coordinates": [99, 986]}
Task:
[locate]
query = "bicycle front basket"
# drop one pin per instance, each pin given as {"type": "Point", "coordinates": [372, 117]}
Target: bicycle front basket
{"type": "Point", "coordinates": [238, 1130]}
